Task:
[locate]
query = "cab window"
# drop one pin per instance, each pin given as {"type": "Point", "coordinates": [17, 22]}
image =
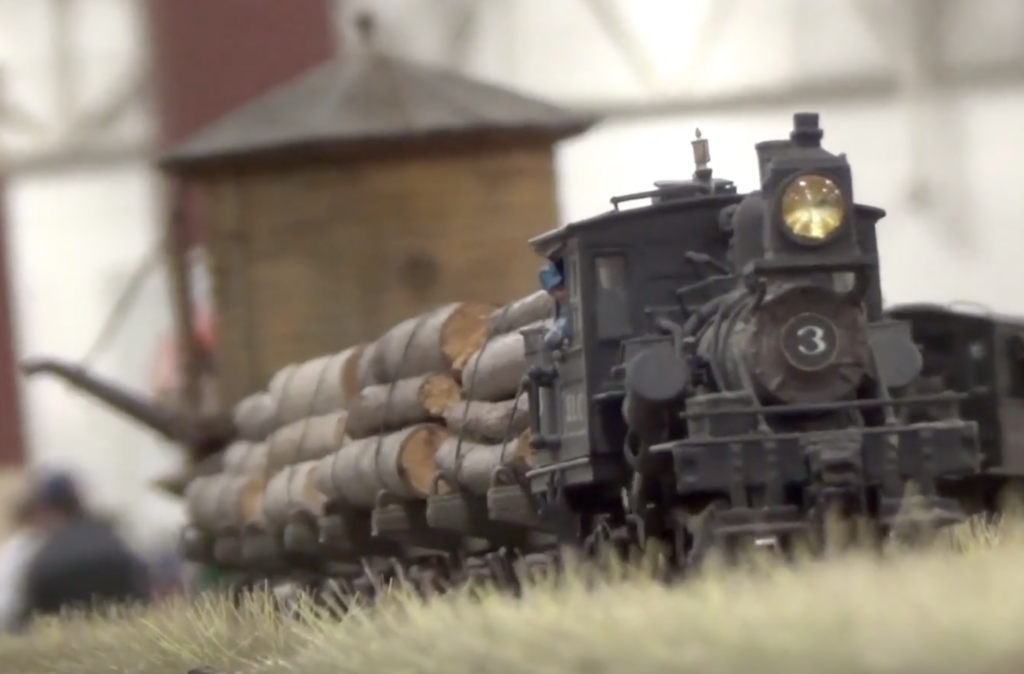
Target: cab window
{"type": "Point", "coordinates": [611, 297]}
{"type": "Point", "coordinates": [575, 308]}
{"type": "Point", "coordinates": [1015, 360]}
{"type": "Point", "coordinates": [980, 363]}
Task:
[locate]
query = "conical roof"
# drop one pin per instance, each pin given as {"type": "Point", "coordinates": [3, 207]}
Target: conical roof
{"type": "Point", "coordinates": [367, 99]}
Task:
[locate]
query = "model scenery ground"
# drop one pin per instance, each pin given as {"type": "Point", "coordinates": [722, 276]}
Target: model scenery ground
{"type": "Point", "coordinates": [956, 607]}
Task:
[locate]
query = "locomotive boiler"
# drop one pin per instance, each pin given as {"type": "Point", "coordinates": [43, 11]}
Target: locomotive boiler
{"type": "Point", "coordinates": [730, 374]}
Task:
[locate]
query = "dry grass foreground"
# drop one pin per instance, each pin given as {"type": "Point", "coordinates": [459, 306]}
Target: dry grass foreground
{"type": "Point", "coordinates": [935, 612]}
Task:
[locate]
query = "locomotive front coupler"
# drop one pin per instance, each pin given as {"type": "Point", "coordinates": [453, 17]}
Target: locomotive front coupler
{"type": "Point", "coordinates": [836, 477]}
{"type": "Point", "coordinates": [765, 526]}
{"type": "Point", "coordinates": [730, 457]}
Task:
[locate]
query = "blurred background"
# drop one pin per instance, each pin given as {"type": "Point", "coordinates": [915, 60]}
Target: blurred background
{"type": "Point", "coordinates": [925, 96]}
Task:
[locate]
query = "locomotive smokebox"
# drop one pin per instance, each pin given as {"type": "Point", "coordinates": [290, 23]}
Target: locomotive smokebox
{"type": "Point", "coordinates": [808, 345]}
{"type": "Point", "coordinates": [655, 379]}
{"type": "Point", "coordinates": [803, 344]}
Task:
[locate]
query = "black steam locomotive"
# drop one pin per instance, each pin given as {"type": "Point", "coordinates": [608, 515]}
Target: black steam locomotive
{"type": "Point", "coordinates": [725, 371]}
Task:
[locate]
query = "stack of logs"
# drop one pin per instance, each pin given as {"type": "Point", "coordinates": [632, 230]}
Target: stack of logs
{"type": "Point", "coordinates": [434, 405]}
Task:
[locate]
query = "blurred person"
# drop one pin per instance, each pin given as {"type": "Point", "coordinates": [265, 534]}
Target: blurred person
{"type": "Point", "coordinates": [81, 563]}
{"type": "Point", "coordinates": [15, 556]}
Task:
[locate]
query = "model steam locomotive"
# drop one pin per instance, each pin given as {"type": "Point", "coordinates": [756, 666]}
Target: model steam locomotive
{"type": "Point", "coordinates": [729, 373]}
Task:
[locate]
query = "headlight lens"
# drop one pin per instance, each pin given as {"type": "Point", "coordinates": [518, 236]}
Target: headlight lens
{"type": "Point", "coordinates": [813, 207]}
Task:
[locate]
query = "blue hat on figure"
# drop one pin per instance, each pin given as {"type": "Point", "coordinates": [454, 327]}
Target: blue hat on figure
{"type": "Point", "coordinates": [57, 489]}
{"type": "Point", "coordinates": [551, 277]}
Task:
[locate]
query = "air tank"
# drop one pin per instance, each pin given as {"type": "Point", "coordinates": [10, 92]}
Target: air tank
{"type": "Point", "coordinates": [655, 380]}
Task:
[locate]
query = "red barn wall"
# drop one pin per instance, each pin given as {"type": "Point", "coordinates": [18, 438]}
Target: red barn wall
{"type": "Point", "coordinates": [12, 447]}
{"type": "Point", "coordinates": [210, 56]}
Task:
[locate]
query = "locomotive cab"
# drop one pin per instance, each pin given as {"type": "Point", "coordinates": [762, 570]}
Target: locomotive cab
{"type": "Point", "coordinates": [622, 270]}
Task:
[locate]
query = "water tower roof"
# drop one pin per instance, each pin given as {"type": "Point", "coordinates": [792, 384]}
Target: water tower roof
{"type": "Point", "coordinates": [367, 101]}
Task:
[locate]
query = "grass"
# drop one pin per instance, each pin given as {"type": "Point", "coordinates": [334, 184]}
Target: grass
{"type": "Point", "coordinates": [958, 607]}
{"type": "Point", "coordinates": [175, 637]}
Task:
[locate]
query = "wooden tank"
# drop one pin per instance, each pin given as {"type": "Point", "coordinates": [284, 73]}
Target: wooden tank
{"type": "Point", "coordinates": [366, 191]}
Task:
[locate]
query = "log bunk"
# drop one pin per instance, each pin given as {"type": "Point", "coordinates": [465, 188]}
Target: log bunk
{"type": "Point", "coordinates": [382, 450]}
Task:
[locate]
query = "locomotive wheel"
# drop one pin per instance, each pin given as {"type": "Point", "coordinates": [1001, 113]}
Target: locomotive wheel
{"type": "Point", "coordinates": [701, 529]}
{"type": "Point", "coordinates": [699, 541]}
{"type": "Point", "coordinates": [613, 542]}
{"type": "Point", "coordinates": [501, 570]}
{"type": "Point", "coordinates": [240, 588]}
{"type": "Point", "coordinates": [337, 596]}
{"type": "Point", "coordinates": [539, 567]}
{"type": "Point", "coordinates": [430, 578]}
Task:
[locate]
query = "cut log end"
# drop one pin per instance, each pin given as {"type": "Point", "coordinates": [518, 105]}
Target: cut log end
{"type": "Point", "coordinates": [523, 452]}
{"type": "Point", "coordinates": [389, 407]}
{"type": "Point", "coordinates": [321, 477]}
{"type": "Point", "coordinates": [312, 500]}
{"type": "Point", "coordinates": [399, 463]}
{"type": "Point", "coordinates": [430, 342]}
{"type": "Point", "coordinates": [460, 363]}
{"type": "Point", "coordinates": [318, 386]}
{"type": "Point", "coordinates": [365, 374]}
{"type": "Point", "coordinates": [418, 452]}
{"type": "Point", "coordinates": [250, 497]}
{"type": "Point", "coordinates": [465, 330]}
{"type": "Point", "coordinates": [438, 393]}
{"type": "Point", "coordinates": [350, 371]}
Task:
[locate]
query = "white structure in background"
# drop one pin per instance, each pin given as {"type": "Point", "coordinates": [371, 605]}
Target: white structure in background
{"type": "Point", "coordinates": [924, 95]}
{"type": "Point", "coordinates": [83, 213]}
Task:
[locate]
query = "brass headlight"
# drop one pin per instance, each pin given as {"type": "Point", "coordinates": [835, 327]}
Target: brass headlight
{"type": "Point", "coordinates": [813, 207]}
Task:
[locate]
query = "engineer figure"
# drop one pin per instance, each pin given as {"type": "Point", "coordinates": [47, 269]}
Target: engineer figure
{"type": "Point", "coordinates": [552, 281]}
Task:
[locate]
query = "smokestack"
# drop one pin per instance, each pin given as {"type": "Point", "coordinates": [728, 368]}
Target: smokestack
{"type": "Point", "coordinates": [806, 131]}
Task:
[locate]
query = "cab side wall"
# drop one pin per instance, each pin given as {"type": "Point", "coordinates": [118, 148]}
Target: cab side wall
{"type": "Point", "coordinates": [653, 242]}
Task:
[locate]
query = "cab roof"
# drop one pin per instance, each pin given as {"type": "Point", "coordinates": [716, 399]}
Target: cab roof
{"type": "Point", "coordinates": [552, 243]}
